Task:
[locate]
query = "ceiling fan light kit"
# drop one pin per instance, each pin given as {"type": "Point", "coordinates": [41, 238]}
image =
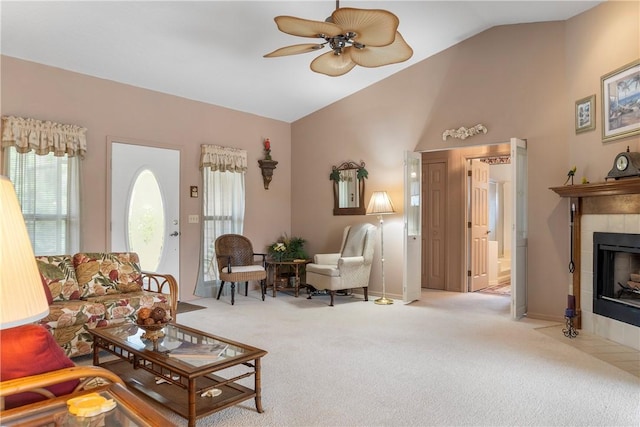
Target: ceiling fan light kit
{"type": "Point", "coordinates": [365, 37]}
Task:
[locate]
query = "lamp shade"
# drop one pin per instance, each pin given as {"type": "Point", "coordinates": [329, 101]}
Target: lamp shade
{"type": "Point", "coordinates": [380, 204]}
{"type": "Point", "coordinates": [22, 297]}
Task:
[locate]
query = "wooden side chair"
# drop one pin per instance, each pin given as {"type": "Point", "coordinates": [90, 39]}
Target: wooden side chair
{"type": "Point", "coordinates": [237, 263]}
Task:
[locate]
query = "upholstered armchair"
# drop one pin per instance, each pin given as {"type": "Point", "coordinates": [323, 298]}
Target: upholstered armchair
{"type": "Point", "coordinates": [348, 269]}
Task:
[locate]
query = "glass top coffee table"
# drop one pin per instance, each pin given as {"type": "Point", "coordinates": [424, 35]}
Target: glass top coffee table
{"type": "Point", "coordinates": [184, 383]}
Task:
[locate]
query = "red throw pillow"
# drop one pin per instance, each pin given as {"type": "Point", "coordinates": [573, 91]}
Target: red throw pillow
{"type": "Point", "coordinates": [30, 350]}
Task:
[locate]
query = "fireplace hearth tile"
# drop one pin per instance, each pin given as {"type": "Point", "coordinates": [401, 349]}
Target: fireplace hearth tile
{"type": "Point", "coordinates": [620, 356]}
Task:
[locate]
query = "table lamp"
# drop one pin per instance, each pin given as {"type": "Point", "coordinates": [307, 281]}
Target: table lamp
{"type": "Point", "coordinates": [380, 204]}
{"type": "Point", "coordinates": [22, 297]}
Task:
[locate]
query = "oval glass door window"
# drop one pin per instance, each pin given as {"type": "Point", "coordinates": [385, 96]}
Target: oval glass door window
{"type": "Point", "coordinates": [146, 222]}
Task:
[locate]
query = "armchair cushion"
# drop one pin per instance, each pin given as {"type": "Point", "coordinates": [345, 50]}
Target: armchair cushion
{"type": "Point", "coordinates": [354, 244]}
{"type": "Point", "coordinates": [328, 259]}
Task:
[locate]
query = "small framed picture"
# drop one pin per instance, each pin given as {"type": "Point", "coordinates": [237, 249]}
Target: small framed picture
{"type": "Point", "coordinates": [621, 102]}
{"type": "Point", "coordinates": [586, 114]}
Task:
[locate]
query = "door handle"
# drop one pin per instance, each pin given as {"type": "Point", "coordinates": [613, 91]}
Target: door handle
{"type": "Point", "coordinates": [174, 234]}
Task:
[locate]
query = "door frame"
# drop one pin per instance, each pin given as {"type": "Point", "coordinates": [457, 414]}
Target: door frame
{"type": "Point", "coordinates": [152, 144]}
{"type": "Point", "coordinates": [455, 271]}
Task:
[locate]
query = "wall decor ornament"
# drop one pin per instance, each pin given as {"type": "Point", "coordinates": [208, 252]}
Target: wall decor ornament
{"type": "Point", "coordinates": [464, 133]}
{"type": "Point", "coordinates": [585, 114]}
{"type": "Point", "coordinates": [621, 102]}
{"type": "Point", "coordinates": [267, 165]}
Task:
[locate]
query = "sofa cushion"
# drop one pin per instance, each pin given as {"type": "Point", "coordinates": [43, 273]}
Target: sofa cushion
{"type": "Point", "coordinates": [107, 273]}
{"type": "Point", "coordinates": [59, 275]}
{"type": "Point", "coordinates": [71, 313]}
{"type": "Point", "coordinates": [30, 350]}
{"type": "Point", "coordinates": [126, 305]}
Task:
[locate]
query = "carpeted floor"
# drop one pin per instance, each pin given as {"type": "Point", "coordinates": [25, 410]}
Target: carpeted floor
{"type": "Point", "coordinates": [435, 362]}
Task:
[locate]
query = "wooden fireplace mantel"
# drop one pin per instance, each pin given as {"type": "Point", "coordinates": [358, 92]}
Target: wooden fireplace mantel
{"type": "Point", "coordinates": [612, 197]}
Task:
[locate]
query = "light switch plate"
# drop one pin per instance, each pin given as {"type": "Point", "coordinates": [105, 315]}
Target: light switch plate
{"type": "Point", "coordinates": [194, 219]}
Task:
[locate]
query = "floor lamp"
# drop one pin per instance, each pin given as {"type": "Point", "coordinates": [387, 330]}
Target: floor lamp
{"type": "Point", "coordinates": [380, 204]}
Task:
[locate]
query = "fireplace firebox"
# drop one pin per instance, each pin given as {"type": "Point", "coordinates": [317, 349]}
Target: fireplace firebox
{"type": "Point", "coordinates": [616, 276]}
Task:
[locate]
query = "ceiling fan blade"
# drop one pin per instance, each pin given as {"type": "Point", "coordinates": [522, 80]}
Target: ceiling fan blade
{"type": "Point", "coordinates": [306, 27]}
{"type": "Point", "coordinates": [294, 50]}
{"type": "Point", "coordinates": [374, 27]}
{"type": "Point", "coordinates": [372, 56]}
{"type": "Point", "coordinates": [333, 65]}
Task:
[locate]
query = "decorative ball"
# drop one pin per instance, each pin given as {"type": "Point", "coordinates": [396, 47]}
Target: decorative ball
{"type": "Point", "coordinates": [158, 314]}
{"type": "Point", "coordinates": [144, 313]}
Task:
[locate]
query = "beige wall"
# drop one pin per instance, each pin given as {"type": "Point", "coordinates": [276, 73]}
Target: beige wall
{"type": "Point", "coordinates": [106, 109]}
{"type": "Point", "coordinates": [519, 81]}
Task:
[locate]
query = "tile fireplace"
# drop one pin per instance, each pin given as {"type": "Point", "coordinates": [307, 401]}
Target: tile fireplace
{"type": "Point", "coordinates": [608, 208]}
{"type": "Point", "coordinates": [616, 276]}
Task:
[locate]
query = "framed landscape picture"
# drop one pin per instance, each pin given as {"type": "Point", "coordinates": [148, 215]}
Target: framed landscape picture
{"type": "Point", "coordinates": [586, 114]}
{"type": "Point", "coordinates": [621, 102]}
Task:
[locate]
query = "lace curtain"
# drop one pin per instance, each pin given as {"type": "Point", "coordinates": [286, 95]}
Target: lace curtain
{"type": "Point", "coordinates": [223, 205]}
{"type": "Point", "coordinates": [43, 137]}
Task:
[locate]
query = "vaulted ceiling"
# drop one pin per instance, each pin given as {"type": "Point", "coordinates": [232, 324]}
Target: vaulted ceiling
{"type": "Point", "coordinates": [212, 51]}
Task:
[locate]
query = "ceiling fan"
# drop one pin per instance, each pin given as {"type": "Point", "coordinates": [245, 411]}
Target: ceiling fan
{"type": "Point", "coordinates": [365, 37]}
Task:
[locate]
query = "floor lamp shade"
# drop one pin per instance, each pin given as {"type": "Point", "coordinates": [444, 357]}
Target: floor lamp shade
{"type": "Point", "coordinates": [380, 204]}
{"type": "Point", "coordinates": [22, 297]}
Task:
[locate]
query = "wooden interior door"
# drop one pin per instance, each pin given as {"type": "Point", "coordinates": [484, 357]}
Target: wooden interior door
{"type": "Point", "coordinates": [434, 276]}
{"type": "Point", "coordinates": [479, 222]}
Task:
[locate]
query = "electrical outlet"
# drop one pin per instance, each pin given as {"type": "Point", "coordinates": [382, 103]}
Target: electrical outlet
{"type": "Point", "coordinates": [194, 219]}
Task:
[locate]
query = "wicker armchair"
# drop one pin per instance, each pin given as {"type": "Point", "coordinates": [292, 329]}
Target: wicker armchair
{"type": "Point", "coordinates": [237, 263]}
{"type": "Point", "coordinates": [85, 377]}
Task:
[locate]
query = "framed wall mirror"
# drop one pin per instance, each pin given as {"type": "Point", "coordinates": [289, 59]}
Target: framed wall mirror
{"type": "Point", "coordinates": [348, 188]}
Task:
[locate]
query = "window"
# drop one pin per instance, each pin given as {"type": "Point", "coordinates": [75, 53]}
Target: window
{"type": "Point", "coordinates": [48, 190]}
{"type": "Point", "coordinates": [223, 213]}
{"type": "Point", "coordinates": [223, 203]}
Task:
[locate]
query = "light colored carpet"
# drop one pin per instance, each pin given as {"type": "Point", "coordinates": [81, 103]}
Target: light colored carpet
{"type": "Point", "coordinates": [450, 359]}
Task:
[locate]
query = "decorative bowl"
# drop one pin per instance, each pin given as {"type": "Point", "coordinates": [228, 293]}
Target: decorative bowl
{"type": "Point", "coordinates": [153, 333]}
{"type": "Point", "coordinates": [153, 328]}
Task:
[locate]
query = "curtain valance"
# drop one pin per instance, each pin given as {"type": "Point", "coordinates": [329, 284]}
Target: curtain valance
{"type": "Point", "coordinates": [224, 159]}
{"type": "Point", "coordinates": [43, 137]}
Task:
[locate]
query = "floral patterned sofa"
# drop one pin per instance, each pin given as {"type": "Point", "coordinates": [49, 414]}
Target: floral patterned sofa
{"type": "Point", "coordinates": [93, 290]}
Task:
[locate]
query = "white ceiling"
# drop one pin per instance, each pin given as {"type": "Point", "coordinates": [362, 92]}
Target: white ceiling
{"type": "Point", "coordinates": [211, 51]}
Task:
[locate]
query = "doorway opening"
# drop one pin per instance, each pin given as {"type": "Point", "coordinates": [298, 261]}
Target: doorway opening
{"type": "Point", "coordinates": [447, 262]}
{"type": "Point", "coordinates": [489, 209]}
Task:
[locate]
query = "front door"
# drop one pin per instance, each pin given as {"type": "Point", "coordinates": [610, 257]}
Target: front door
{"type": "Point", "coordinates": [145, 205]}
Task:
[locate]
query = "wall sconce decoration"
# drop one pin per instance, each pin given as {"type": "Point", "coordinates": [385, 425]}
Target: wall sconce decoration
{"type": "Point", "coordinates": [267, 165]}
{"type": "Point", "coordinates": [194, 191]}
{"type": "Point", "coordinates": [463, 133]}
